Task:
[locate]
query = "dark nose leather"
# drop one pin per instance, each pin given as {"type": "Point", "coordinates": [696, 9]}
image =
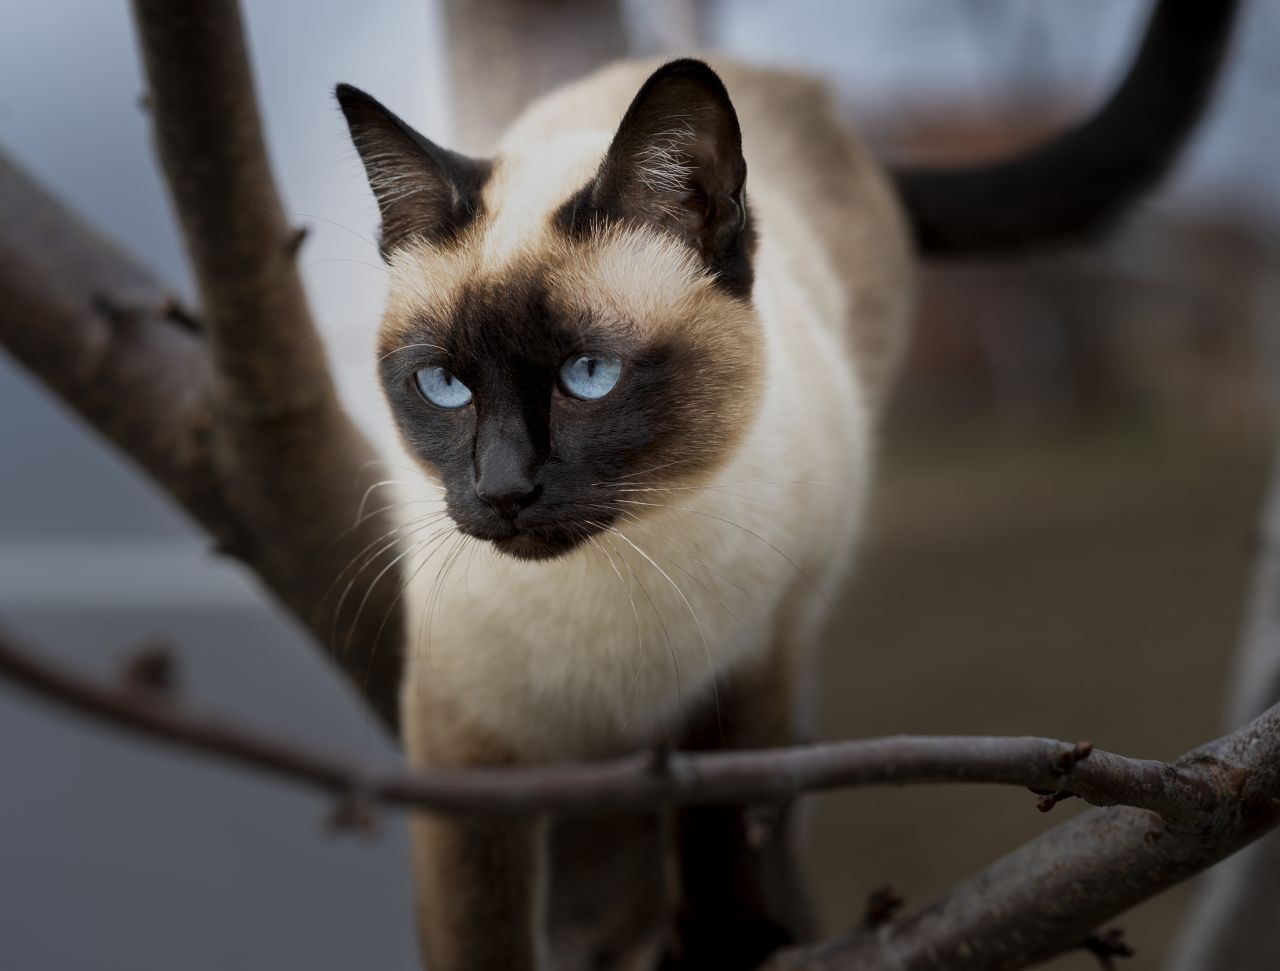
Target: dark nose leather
{"type": "Point", "coordinates": [509, 497]}
{"type": "Point", "coordinates": [503, 472]}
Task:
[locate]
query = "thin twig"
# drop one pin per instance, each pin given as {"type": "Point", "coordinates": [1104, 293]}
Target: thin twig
{"type": "Point", "coordinates": [1106, 946]}
{"type": "Point", "coordinates": [761, 776]}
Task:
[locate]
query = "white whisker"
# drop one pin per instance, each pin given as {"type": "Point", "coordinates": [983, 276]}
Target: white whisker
{"type": "Point", "coordinates": [675, 661]}
{"type": "Point", "coordinates": [655, 468]}
{"type": "Point", "coordinates": [369, 589]}
{"type": "Point", "coordinates": [635, 524]}
{"type": "Point", "coordinates": [626, 589]}
{"type": "Point", "coordinates": [407, 347]}
{"type": "Point", "coordinates": [438, 539]}
{"type": "Point", "coordinates": [415, 527]}
{"type": "Point", "coordinates": [728, 522]}
{"type": "Point", "coordinates": [711, 667]}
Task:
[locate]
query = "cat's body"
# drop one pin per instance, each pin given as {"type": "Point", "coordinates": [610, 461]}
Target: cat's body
{"type": "Point", "coordinates": [636, 393]}
{"type": "Point", "coordinates": [758, 330]}
{"type": "Point", "coordinates": [606, 648]}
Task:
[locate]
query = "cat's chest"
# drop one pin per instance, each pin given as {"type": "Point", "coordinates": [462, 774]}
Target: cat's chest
{"type": "Point", "coordinates": [602, 649]}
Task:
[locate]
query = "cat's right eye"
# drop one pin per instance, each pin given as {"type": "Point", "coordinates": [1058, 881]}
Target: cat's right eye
{"type": "Point", "coordinates": [441, 388]}
{"type": "Point", "coordinates": [589, 377]}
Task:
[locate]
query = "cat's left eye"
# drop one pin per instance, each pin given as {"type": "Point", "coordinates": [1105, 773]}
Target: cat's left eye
{"type": "Point", "coordinates": [590, 376]}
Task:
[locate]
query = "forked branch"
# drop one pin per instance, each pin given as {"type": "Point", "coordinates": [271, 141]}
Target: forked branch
{"type": "Point", "coordinates": [1050, 894]}
{"type": "Point", "coordinates": [231, 407]}
{"type": "Point", "coordinates": [1232, 922]}
{"type": "Point", "coordinates": [293, 465]}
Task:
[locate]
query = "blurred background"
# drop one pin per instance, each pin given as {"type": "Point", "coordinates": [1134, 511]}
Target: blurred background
{"type": "Point", "coordinates": [1060, 543]}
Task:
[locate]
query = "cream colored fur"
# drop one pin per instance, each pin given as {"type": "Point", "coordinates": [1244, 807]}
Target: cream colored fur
{"type": "Point", "coordinates": [547, 655]}
{"type": "Point", "coordinates": [604, 649]}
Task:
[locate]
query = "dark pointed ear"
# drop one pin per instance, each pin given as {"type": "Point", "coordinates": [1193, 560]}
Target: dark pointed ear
{"type": "Point", "coordinates": [676, 163]}
{"type": "Point", "coordinates": [423, 191]}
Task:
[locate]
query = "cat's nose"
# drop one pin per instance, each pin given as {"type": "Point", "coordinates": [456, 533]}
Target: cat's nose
{"type": "Point", "coordinates": [508, 498]}
{"type": "Point", "coordinates": [505, 467]}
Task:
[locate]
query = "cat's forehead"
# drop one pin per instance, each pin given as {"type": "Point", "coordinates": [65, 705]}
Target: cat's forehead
{"type": "Point", "coordinates": [524, 188]}
{"type": "Point", "coordinates": [617, 277]}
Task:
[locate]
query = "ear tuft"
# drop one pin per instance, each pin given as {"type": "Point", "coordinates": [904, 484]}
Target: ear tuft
{"type": "Point", "coordinates": [423, 191]}
{"type": "Point", "coordinates": [676, 163]}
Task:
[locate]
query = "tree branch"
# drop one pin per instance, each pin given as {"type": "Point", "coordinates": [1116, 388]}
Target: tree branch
{"type": "Point", "coordinates": [1049, 895]}
{"type": "Point", "coordinates": [241, 423]}
{"type": "Point", "coordinates": [1188, 796]}
{"type": "Point", "coordinates": [209, 139]}
{"type": "Point", "coordinates": [1038, 901]}
{"type": "Point", "coordinates": [92, 325]}
{"type": "Point", "coordinates": [503, 54]}
{"type": "Point", "coordinates": [1232, 923]}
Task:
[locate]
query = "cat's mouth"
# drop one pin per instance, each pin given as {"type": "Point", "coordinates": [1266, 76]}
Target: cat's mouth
{"type": "Point", "coordinates": [527, 543]}
{"type": "Point", "coordinates": [540, 545]}
{"type": "Point", "coordinates": [536, 533]}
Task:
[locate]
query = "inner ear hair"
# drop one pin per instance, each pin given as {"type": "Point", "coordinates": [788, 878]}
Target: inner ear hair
{"type": "Point", "coordinates": [423, 191]}
{"type": "Point", "coordinates": [676, 163]}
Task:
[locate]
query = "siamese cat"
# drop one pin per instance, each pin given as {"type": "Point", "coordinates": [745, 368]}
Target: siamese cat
{"type": "Point", "coordinates": [636, 361]}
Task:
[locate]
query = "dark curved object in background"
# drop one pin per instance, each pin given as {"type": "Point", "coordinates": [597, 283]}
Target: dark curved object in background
{"type": "Point", "coordinates": [1080, 182]}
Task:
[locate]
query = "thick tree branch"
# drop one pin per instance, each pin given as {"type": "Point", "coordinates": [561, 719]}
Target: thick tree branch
{"type": "Point", "coordinates": [114, 344]}
{"type": "Point", "coordinates": [230, 409]}
{"type": "Point", "coordinates": [210, 144]}
{"type": "Point", "coordinates": [96, 328]}
{"type": "Point", "coordinates": [1189, 796]}
{"type": "Point", "coordinates": [282, 468]}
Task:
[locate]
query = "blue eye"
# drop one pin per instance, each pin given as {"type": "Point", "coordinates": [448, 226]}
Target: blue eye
{"type": "Point", "coordinates": [590, 376]}
{"type": "Point", "coordinates": [441, 388]}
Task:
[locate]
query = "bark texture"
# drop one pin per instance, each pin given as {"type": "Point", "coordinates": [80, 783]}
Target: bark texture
{"type": "Point", "coordinates": [230, 406]}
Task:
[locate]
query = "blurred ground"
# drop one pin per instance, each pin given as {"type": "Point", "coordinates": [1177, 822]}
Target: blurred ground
{"type": "Point", "coordinates": [1078, 580]}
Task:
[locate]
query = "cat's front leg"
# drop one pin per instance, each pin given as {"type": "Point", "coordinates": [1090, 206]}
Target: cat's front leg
{"type": "Point", "coordinates": [479, 881]}
{"type": "Point", "coordinates": [740, 895]}
{"type": "Point", "coordinates": [479, 892]}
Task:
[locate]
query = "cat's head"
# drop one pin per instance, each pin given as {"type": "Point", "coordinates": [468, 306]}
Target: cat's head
{"type": "Point", "coordinates": [567, 326]}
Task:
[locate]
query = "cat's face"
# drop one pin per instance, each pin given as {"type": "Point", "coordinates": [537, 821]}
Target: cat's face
{"type": "Point", "coordinates": [556, 347]}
